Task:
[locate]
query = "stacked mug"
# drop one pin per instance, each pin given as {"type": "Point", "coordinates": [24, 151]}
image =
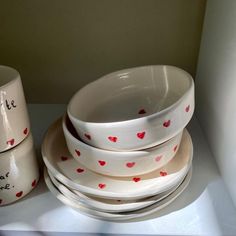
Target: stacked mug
{"type": "Point", "coordinates": [18, 164]}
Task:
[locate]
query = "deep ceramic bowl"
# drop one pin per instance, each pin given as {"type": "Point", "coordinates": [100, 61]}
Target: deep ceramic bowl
{"type": "Point", "coordinates": [133, 109]}
{"type": "Point", "coordinates": [18, 172]}
{"type": "Point", "coordinates": [119, 163]}
{"type": "Point", "coordinates": [14, 120]}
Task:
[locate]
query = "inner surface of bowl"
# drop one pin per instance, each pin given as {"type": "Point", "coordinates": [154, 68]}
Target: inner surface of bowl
{"type": "Point", "coordinates": [130, 94]}
{"type": "Point", "coordinates": [7, 74]}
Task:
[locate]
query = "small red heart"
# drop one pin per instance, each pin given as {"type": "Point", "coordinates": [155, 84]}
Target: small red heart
{"type": "Point", "coordinates": [0, 201]}
{"type": "Point", "coordinates": [87, 136]}
{"type": "Point", "coordinates": [163, 173]}
{"type": "Point", "coordinates": [25, 131]}
{"type": "Point", "coordinates": [175, 148]}
{"type": "Point", "coordinates": [63, 158]}
{"type": "Point", "coordinates": [80, 170]}
{"type": "Point", "coordinates": [34, 183]}
{"type": "Point", "coordinates": [158, 158]}
{"type": "Point", "coordinates": [187, 108]}
{"type": "Point", "coordinates": [130, 164]}
{"type": "Point", "coordinates": [19, 194]}
{"type": "Point", "coordinates": [102, 163]}
{"type": "Point", "coordinates": [101, 186]}
{"type": "Point", "coordinates": [11, 142]}
{"type": "Point", "coordinates": [112, 139]}
{"type": "Point", "coordinates": [142, 111]}
{"type": "Point", "coordinates": [166, 123]}
{"type": "Point", "coordinates": [141, 135]}
{"type": "Point", "coordinates": [136, 179]}
{"type": "Point", "coordinates": [77, 152]}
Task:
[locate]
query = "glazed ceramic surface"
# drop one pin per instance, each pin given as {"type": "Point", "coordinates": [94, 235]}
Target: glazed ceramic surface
{"type": "Point", "coordinates": [14, 120]}
{"type": "Point", "coordinates": [109, 205]}
{"type": "Point", "coordinates": [119, 163]}
{"type": "Point", "coordinates": [18, 172]}
{"type": "Point", "coordinates": [138, 214]}
{"type": "Point", "coordinates": [133, 109]}
{"type": "Point", "coordinates": [73, 174]}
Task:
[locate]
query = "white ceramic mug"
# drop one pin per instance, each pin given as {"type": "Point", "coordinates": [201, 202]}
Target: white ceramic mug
{"type": "Point", "coordinates": [14, 119]}
{"type": "Point", "coordinates": [19, 172]}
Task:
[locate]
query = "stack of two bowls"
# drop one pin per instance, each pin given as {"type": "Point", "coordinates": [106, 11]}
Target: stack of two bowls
{"type": "Point", "coordinates": [18, 164]}
{"type": "Point", "coordinates": [123, 152]}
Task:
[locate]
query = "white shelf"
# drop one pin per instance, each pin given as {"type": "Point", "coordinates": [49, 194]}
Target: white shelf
{"type": "Point", "coordinates": [205, 208]}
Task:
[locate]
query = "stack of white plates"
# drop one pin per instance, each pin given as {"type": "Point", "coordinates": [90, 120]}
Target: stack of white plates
{"type": "Point", "coordinates": [113, 198]}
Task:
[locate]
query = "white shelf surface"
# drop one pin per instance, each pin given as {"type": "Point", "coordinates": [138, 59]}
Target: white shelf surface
{"type": "Point", "coordinates": [205, 208]}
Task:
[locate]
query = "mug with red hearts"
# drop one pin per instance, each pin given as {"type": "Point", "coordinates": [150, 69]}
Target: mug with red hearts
{"type": "Point", "coordinates": [19, 172]}
{"type": "Point", "coordinates": [14, 119]}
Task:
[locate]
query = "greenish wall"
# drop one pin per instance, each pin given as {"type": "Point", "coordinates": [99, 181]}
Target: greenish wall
{"type": "Point", "coordinates": [58, 46]}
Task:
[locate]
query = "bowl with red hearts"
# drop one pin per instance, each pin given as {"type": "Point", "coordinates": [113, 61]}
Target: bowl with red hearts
{"type": "Point", "coordinates": [133, 109]}
{"type": "Point", "coordinates": [112, 163]}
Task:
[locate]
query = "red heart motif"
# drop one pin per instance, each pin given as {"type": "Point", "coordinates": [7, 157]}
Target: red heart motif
{"type": "Point", "coordinates": [25, 131]}
{"type": "Point", "coordinates": [80, 170]}
{"type": "Point", "coordinates": [130, 164]}
{"type": "Point", "coordinates": [136, 179]}
{"type": "Point", "coordinates": [101, 186]}
{"type": "Point", "coordinates": [34, 183]}
{"type": "Point", "coordinates": [112, 139]}
{"type": "Point", "coordinates": [63, 158]}
{"type": "Point", "coordinates": [0, 201]}
{"type": "Point", "coordinates": [163, 173]}
{"type": "Point", "coordinates": [142, 111]}
{"type": "Point", "coordinates": [187, 108]}
{"type": "Point", "coordinates": [158, 158]}
{"type": "Point", "coordinates": [19, 194]}
{"type": "Point", "coordinates": [141, 135]}
{"type": "Point", "coordinates": [77, 152]}
{"type": "Point", "coordinates": [87, 136]}
{"type": "Point", "coordinates": [102, 163]}
{"type": "Point", "coordinates": [11, 142]}
{"type": "Point", "coordinates": [175, 148]}
{"type": "Point", "coordinates": [166, 123]}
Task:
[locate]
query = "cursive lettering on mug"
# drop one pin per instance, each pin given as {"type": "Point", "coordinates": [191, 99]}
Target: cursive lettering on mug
{"type": "Point", "coordinates": [9, 104]}
{"type": "Point", "coordinates": [5, 186]}
{"type": "Point", "coordinates": [4, 176]}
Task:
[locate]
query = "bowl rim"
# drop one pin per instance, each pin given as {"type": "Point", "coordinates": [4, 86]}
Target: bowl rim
{"type": "Point", "coordinates": [138, 119]}
{"type": "Point", "coordinates": [13, 79]}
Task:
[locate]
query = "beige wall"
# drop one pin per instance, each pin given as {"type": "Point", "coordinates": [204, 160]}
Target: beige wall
{"type": "Point", "coordinates": [60, 45]}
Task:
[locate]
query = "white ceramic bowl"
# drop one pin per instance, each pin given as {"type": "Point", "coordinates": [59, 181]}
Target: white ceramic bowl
{"type": "Point", "coordinates": [133, 109]}
{"type": "Point", "coordinates": [119, 163]}
{"type": "Point", "coordinates": [18, 172]}
{"type": "Point", "coordinates": [14, 120]}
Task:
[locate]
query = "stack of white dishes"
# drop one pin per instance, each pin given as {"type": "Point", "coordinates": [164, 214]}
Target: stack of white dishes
{"type": "Point", "coordinates": [18, 163]}
{"type": "Point", "coordinates": [122, 150]}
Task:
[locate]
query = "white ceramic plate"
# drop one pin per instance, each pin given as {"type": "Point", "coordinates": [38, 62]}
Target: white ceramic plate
{"type": "Point", "coordinates": [68, 171]}
{"type": "Point", "coordinates": [154, 208]}
{"type": "Point", "coordinates": [109, 205]}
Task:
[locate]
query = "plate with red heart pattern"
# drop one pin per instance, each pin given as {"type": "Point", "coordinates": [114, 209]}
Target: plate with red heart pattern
{"type": "Point", "coordinates": [76, 176]}
{"type": "Point", "coordinates": [109, 205]}
{"type": "Point", "coordinates": [154, 209]}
